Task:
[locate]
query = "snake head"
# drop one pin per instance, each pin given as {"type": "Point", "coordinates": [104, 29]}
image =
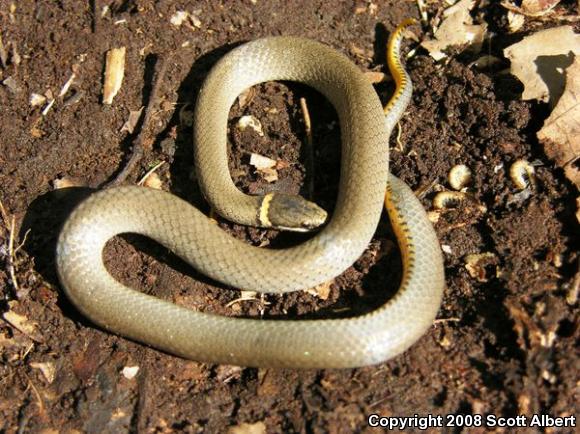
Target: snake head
{"type": "Point", "coordinates": [291, 213]}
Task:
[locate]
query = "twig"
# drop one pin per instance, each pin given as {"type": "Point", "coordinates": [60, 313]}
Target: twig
{"type": "Point", "coordinates": [240, 299]}
{"type": "Point", "coordinates": [143, 392]}
{"type": "Point", "coordinates": [11, 256]}
{"type": "Point", "coordinates": [40, 402]}
{"type": "Point", "coordinates": [423, 11]}
{"type": "Point", "coordinates": [4, 214]}
{"type": "Point", "coordinates": [423, 190]}
{"type": "Point", "coordinates": [138, 148]}
{"type": "Point", "coordinates": [10, 224]}
{"type": "Point", "coordinates": [150, 172]}
{"type": "Point", "coordinates": [310, 148]}
{"type": "Point", "coordinates": [19, 246]}
{"type": "Point", "coordinates": [572, 296]}
{"type": "Point", "coordinates": [95, 12]}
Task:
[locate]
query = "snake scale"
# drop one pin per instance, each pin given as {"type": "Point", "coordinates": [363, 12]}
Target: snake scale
{"type": "Point", "coordinates": [325, 343]}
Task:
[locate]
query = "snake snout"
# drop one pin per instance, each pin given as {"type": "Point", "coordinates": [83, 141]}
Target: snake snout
{"type": "Point", "coordinates": [294, 213]}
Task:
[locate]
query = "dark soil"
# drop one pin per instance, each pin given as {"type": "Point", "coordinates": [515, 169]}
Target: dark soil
{"type": "Point", "coordinates": [505, 342]}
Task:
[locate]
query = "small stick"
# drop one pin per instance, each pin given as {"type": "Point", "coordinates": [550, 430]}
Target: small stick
{"type": "Point", "coordinates": [240, 299]}
{"type": "Point", "coordinates": [95, 11]}
{"type": "Point", "coordinates": [310, 148]}
{"type": "Point", "coordinates": [10, 224]}
{"type": "Point", "coordinates": [423, 11]}
{"type": "Point", "coordinates": [138, 148]}
{"type": "Point", "coordinates": [39, 400]}
{"type": "Point", "coordinates": [11, 256]}
{"type": "Point", "coordinates": [444, 320]}
{"type": "Point", "coordinates": [148, 174]}
{"type": "Point", "coordinates": [423, 190]}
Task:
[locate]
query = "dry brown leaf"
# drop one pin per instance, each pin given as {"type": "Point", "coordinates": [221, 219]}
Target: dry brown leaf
{"type": "Point", "coordinates": [12, 85]}
{"type": "Point", "coordinates": [476, 264]}
{"type": "Point", "coordinates": [246, 96]}
{"type": "Point", "coordinates": [6, 343]}
{"type": "Point", "coordinates": [129, 372]}
{"type": "Point", "coordinates": [515, 21]}
{"type": "Point", "coordinates": [532, 8]}
{"type": "Point", "coordinates": [188, 19]}
{"type": "Point", "coordinates": [23, 324]}
{"type": "Point", "coordinates": [269, 174]}
{"type": "Point", "coordinates": [538, 7]}
{"type": "Point", "coordinates": [47, 368]}
{"type": "Point", "coordinates": [321, 291]}
{"type": "Point", "coordinates": [457, 28]}
{"type": "Point", "coordinates": [153, 180]}
{"type": "Point", "coordinates": [539, 59]}
{"type": "Point", "coordinates": [560, 134]}
{"type": "Point", "coordinates": [36, 99]}
{"type": "Point", "coordinates": [131, 122]}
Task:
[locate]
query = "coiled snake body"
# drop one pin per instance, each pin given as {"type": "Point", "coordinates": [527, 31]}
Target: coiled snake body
{"type": "Point", "coordinates": [330, 343]}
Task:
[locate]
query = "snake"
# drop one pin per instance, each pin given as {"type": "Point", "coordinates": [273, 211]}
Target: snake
{"type": "Point", "coordinates": [364, 186]}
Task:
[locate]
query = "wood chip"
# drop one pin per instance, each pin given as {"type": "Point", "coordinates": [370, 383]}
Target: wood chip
{"type": "Point", "coordinates": [249, 121]}
{"type": "Point", "coordinates": [178, 18]}
{"type": "Point", "coordinates": [321, 291]}
{"type": "Point", "coordinates": [114, 73]}
{"type": "Point", "coordinates": [36, 99]}
{"type": "Point", "coordinates": [130, 372]}
{"type": "Point", "coordinates": [248, 428]}
{"type": "Point", "coordinates": [265, 166]}
{"type": "Point", "coordinates": [260, 162]}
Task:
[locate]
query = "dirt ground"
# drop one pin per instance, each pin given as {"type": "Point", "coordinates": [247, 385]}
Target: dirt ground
{"type": "Point", "coordinates": [505, 341]}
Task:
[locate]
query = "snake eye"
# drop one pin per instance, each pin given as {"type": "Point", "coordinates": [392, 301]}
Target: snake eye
{"type": "Point", "coordinates": [290, 212]}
